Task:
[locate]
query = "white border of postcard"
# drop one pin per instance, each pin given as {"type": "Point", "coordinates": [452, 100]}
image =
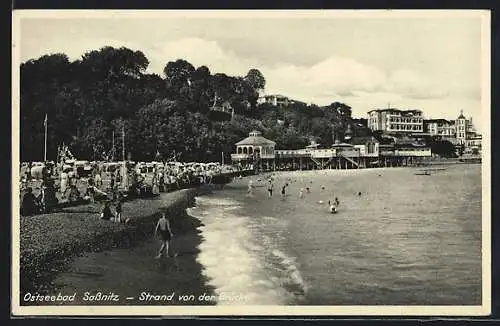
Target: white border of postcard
{"type": "Point", "coordinates": [481, 310]}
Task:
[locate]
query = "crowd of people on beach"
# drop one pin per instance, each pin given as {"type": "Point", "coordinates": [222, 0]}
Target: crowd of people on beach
{"type": "Point", "coordinates": [107, 181]}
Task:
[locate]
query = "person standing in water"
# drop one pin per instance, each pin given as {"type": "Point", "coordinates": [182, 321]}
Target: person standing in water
{"type": "Point", "coordinates": [250, 188]}
{"type": "Point", "coordinates": [270, 188]}
{"type": "Point", "coordinates": [283, 190]}
{"type": "Point", "coordinates": [301, 193]}
{"type": "Point", "coordinates": [163, 226]}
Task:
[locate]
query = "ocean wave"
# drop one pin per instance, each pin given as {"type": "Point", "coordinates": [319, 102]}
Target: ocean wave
{"type": "Point", "coordinates": [240, 260]}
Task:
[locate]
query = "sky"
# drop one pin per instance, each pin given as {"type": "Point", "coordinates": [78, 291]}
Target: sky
{"type": "Point", "coordinates": [427, 62]}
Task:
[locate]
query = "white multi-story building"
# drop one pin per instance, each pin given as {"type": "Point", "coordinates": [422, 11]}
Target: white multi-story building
{"type": "Point", "coordinates": [444, 129]}
{"type": "Point", "coordinates": [473, 144]}
{"type": "Point", "coordinates": [276, 100]}
{"type": "Point", "coordinates": [393, 121]}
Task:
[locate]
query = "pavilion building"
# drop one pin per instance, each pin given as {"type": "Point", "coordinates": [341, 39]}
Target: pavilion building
{"type": "Point", "coordinates": [255, 151]}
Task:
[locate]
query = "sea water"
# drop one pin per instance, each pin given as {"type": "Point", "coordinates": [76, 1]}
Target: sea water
{"type": "Point", "coordinates": [398, 238]}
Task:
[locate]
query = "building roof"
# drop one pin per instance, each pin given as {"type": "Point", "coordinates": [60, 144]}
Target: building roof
{"type": "Point", "coordinates": [276, 96]}
{"type": "Point", "coordinates": [255, 138]}
{"type": "Point", "coordinates": [461, 116]}
{"type": "Point", "coordinates": [438, 121]}
{"type": "Point", "coordinates": [395, 110]}
{"type": "Point", "coordinates": [342, 145]}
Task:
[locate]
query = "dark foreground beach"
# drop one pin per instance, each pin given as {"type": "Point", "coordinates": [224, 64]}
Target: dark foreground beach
{"type": "Point", "coordinates": [61, 249]}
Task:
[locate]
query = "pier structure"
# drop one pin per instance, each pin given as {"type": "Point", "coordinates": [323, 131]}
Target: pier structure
{"type": "Point", "coordinates": [258, 153]}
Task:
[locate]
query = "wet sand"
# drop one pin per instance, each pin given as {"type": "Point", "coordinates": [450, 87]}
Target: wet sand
{"type": "Point", "coordinates": [133, 273]}
{"type": "Point", "coordinates": [54, 243]}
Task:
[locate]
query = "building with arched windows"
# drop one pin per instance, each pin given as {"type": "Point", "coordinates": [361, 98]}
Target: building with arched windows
{"type": "Point", "coordinates": [254, 150]}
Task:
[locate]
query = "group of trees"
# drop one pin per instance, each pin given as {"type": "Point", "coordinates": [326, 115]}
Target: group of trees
{"type": "Point", "coordinates": [89, 100]}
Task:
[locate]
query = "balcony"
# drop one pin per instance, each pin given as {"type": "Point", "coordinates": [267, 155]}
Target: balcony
{"type": "Point", "coordinates": [292, 153]}
{"type": "Point", "coordinates": [324, 153]}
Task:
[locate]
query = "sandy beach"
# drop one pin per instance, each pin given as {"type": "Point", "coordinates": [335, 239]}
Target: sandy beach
{"type": "Point", "coordinates": [51, 244]}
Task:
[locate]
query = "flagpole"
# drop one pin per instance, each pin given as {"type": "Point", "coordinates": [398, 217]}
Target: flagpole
{"type": "Point", "coordinates": [45, 147]}
{"type": "Point", "coordinates": [123, 141]}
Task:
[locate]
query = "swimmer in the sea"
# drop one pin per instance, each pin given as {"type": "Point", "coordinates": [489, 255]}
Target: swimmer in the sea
{"type": "Point", "coordinates": [332, 208]}
{"type": "Point", "coordinates": [301, 193]}
{"type": "Point", "coordinates": [308, 190]}
{"type": "Point", "coordinates": [359, 193]}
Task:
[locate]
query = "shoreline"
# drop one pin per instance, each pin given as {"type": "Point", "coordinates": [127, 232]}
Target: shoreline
{"type": "Point", "coordinates": [50, 243]}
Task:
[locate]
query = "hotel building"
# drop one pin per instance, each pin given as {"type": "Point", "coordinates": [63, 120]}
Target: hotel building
{"type": "Point", "coordinates": [442, 128]}
{"type": "Point", "coordinates": [394, 121]}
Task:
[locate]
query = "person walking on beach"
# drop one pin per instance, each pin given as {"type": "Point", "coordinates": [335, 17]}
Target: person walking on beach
{"type": "Point", "coordinates": [163, 226]}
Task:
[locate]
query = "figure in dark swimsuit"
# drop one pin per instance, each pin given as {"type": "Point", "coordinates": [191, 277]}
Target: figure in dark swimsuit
{"type": "Point", "coordinates": [270, 188]}
{"type": "Point", "coordinates": [163, 227]}
{"type": "Point", "coordinates": [283, 190]}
